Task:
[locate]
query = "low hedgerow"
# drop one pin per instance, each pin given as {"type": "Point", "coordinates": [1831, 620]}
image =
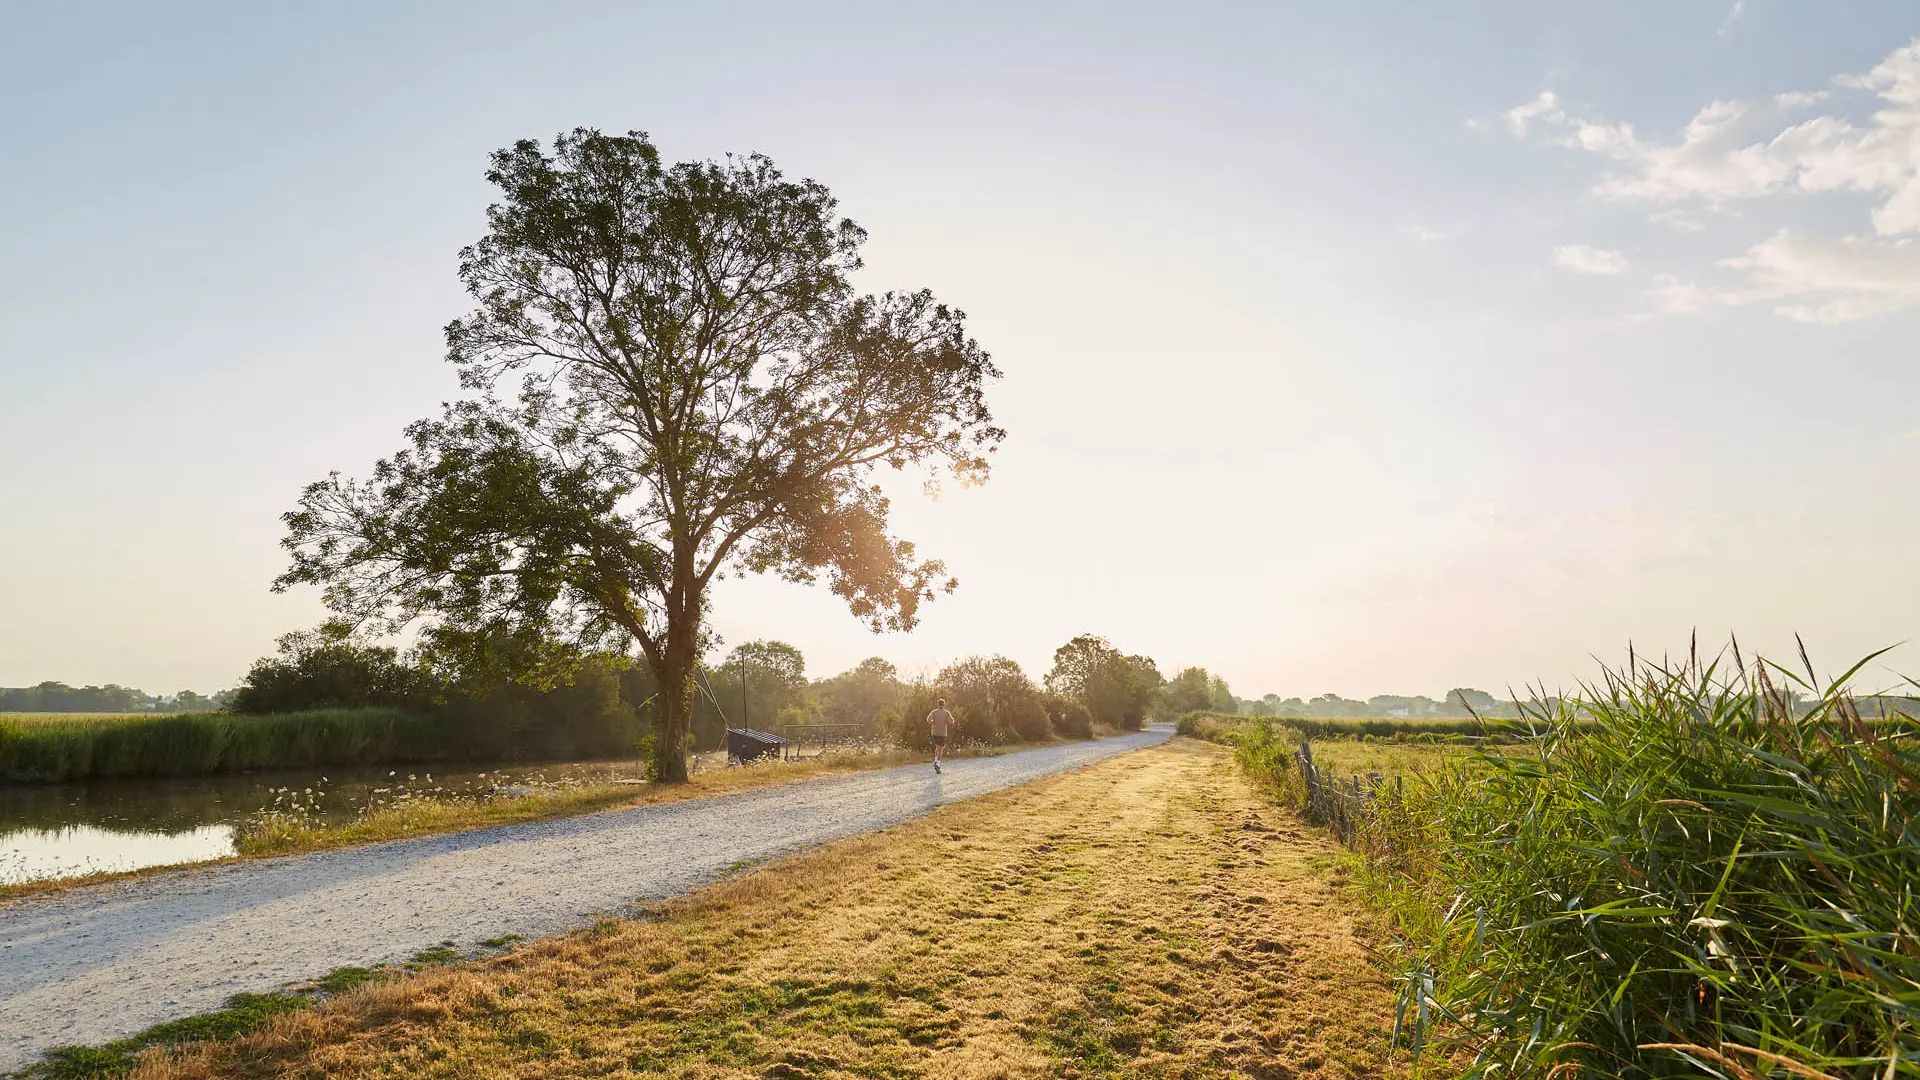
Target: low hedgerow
{"type": "Point", "coordinates": [1684, 875]}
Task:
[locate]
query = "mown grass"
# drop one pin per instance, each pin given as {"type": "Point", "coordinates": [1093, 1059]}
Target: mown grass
{"type": "Point", "coordinates": [1149, 916]}
{"type": "Point", "coordinates": [87, 747]}
{"type": "Point", "coordinates": [240, 1015]}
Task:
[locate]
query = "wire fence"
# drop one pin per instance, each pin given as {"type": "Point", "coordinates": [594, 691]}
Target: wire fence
{"type": "Point", "coordinates": [1339, 805]}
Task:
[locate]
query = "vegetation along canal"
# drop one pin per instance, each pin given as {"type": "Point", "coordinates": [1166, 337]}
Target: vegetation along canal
{"type": "Point", "coordinates": [65, 830]}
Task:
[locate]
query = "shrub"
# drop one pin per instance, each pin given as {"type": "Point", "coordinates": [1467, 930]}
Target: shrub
{"type": "Point", "coordinates": [581, 716]}
{"type": "Point", "coordinates": [905, 720]}
{"type": "Point", "coordinates": [1026, 717]}
{"type": "Point", "coordinates": [993, 701]}
{"type": "Point", "coordinates": [1070, 719]}
{"type": "Point", "coordinates": [1266, 754]}
{"type": "Point", "coordinates": [317, 671]}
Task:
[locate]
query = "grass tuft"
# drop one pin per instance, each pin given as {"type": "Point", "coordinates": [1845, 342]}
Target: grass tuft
{"type": "Point", "coordinates": [243, 1014]}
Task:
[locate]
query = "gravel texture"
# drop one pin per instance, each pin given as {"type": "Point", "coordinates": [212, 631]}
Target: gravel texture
{"type": "Point", "coordinates": [96, 964]}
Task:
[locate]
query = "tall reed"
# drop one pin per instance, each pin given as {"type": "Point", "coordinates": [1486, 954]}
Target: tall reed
{"type": "Point", "coordinates": [1684, 874]}
{"type": "Point", "coordinates": [201, 743]}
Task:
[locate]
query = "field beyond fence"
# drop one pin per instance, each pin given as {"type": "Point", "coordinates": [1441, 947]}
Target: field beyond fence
{"type": "Point", "coordinates": [1214, 727]}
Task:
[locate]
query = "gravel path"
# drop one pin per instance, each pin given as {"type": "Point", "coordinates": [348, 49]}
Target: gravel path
{"type": "Point", "coordinates": [100, 963]}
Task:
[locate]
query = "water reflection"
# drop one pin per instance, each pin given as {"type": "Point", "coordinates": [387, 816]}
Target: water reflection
{"type": "Point", "coordinates": [59, 830]}
{"type": "Point", "coordinates": [33, 854]}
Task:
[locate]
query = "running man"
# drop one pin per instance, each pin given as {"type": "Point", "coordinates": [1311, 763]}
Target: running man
{"type": "Point", "coordinates": [937, 721]}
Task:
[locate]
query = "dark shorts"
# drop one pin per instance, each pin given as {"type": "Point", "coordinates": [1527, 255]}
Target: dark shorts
{"type": "Point", "coordinates": [939, 740]}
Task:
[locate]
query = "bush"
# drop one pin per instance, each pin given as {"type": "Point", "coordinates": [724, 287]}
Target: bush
{"type": "Point", "coordinates": [1680, 876]}
{"type": "Point", "coordinates": [991, 699]}
{"type": "Point", "coordinates": [583, 716]}
{"type": "Point", "coordinates": [1025, 718]}
{"type": "Point", "coordinates": [315, 671]}
{"type": "Point", "coordinates": [1070, 719]}
{"type": "Point", "coordinates": [905, 720]}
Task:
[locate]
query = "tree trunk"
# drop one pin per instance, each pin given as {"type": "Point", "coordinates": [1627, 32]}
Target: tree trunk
{"type": "Point", "coordinates": [679, 659]}
{"type": "Point", "coordinates": [676, 719]}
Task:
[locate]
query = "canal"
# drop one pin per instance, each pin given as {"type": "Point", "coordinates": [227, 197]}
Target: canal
{"type": "Point", "coordinates": [65, 830]}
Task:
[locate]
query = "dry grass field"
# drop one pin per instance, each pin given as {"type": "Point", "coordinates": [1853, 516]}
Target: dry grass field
{"type": "Point", "coordinates": [1148, 916]}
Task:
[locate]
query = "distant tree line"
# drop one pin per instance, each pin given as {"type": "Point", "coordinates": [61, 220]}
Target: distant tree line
{"type": "Point", "coordinates": [523, 697]}
{"type": "Point", "coordinates": [511, 694]}
{"type": "Point", "coordinates": [1196, 689]}
{"type": "Point", "coordinates": [58, 697]}
{"type": "Point", "coordinates": [760, 684]}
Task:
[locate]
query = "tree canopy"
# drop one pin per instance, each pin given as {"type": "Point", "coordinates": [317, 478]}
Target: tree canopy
{"type": "Point", "coordinates": [859, 695]}
{"type": "Point", "coordinates": [763, 678]}
{"type": "Point", "coordinates": [670, 378]}
{"type": "Point", "coordinates": [1116, 688]}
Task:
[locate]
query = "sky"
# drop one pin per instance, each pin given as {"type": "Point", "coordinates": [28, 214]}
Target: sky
{"type": "Point", "coordinates": [1348, 347]}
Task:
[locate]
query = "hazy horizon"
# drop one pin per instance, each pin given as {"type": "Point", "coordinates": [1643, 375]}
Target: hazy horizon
{"type": "Point", "coordinates": [1365, 351]}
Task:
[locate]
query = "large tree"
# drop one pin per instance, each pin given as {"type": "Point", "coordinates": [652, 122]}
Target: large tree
{"type": "Point", "coordinates": [762, 678]}
{"type": "Point", "coordinates": [1115, 688]}
{"type": "Point", "coordinates": [1190, 690]}
{"type": "Point", "coordinates": [993, 699]}
{"type": "Point", "coordinates": [859, 695]}
{"type": "Point", "coordinates": [671, 379]}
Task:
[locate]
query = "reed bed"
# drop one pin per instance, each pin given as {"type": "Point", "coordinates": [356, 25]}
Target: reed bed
{"type": "Point", "coordinates": [83, 747]}
{"type": "Point", "coordinates": [1681, 873]}
{"type": "Point", "coordinates": [66, 717]}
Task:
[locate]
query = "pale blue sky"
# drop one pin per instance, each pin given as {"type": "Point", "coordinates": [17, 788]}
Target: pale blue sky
{"type": "Point", "coordinates": [1338, 357]}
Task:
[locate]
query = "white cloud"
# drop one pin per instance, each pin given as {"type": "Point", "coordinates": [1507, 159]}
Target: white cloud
{"type": "Point", "coordinates": [1428, 235]}
{"type": "Point", "coordinates": [1807, 278]}
{"type": "Point", "coordinates": [1735, 151]}
{"type": "Point", "coordinates": [1678, 220]}
{"type": "Point", "coordinates": [1733, 16]}
{"type": "Point", "coordinates": [1588, 260]}
{"type": "Point", "coordinates": [1546, 108]}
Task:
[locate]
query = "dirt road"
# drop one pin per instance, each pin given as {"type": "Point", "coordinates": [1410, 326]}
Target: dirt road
{"type": "Point", "coordinates": [97, 964]}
